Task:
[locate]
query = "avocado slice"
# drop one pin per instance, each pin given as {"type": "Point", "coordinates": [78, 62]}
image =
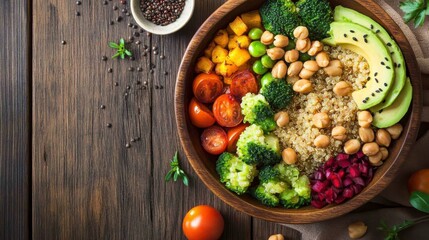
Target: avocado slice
{"type": "Point", "coordinates": [394, 113]}
{"type": "Point", "coordinates": [364, 42]}
{"type": "Point", "coordinates": [343, 14]}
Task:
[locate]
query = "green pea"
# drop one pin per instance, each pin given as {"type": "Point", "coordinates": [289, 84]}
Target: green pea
{"type": "Point", "coordinates": [255, 33]}
{"type": "Point", "coordinates": [258, 68]}
{"type": "Point", "coordinates": [290, 46]}
{"type": "Point", "coordinates": [257, 49]}
{"type": "Point", "coordinates": [267, 61]}
{"type": "Point", "coordinates": [267, 78]}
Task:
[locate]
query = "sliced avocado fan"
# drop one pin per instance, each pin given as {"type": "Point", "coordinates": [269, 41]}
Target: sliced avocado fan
{"type": "Point", "coordinates": [343, 14]}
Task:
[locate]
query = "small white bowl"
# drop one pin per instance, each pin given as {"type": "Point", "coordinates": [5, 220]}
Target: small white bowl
{"type": "Point", "coordinates": [158, 29]}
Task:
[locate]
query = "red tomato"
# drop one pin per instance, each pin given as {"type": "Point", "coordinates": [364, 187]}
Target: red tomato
{"type": "Point", "coordinates": [200, 115]}
{"type": "Point", "coordinates": [207, 87]}
{"type": "Point", "coordinates": [227, 111]}
{"type": "Point", "coordinates": [243, 82]}
{"type": "Point", "coordinates": [214, 140]}
{"type": "Point", "coordinates": [419, 181]}
{"type": "Point", "coordinates": [203, 223]}
{"type": "Point", "coordinates": [233, 135]}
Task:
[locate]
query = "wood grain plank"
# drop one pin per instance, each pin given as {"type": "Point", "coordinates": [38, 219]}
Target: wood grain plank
{"type": "Point", "coordinates": [86, 183]}
{"type": "Point", "coordinates": [14, 120]}
{"type": "Point", "coordinates": [173, 200]}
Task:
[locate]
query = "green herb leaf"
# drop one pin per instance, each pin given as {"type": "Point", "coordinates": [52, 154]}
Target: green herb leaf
{"type": "Point", "coordinates": [116, 55]}
{"type": "Point", "coordinates": [420, 19]}
{"type": "Point", "coordinates": [122, 42]}
{"type": "Point", "coordinates": [415, 10]}
{"type": "Point", "coordinates": [420, 201]}
{"type": "Point", "coordinates": [128, 52]}
{"type": "Point", "coordinates": [121, 51]}
{"type": "Point", "coordinates": [176, 172]}
{"type": "Point", "coordinates": [113, 45]}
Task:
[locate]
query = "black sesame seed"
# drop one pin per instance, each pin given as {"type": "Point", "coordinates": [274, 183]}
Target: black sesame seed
{"type": "Point", "coordinates": [373, 94]}
{"type": "Point", "coordinates": [395, 65]}
{"type": "Point", "coordinates": [352, 31]}
{"type": "Point", "coordinates": [372, 26]}
{"type": "Point", "coordinates": [380, 111]}
{"type": "Point", "coordinates": [375, 74]}
{"type": "Point", "coordinates": [381, 90]}
{"type": "Point", "coordinates": [366, 40]}
{"type": "Point", "coordinates": [383, 101]}
{"type": "Point", "coordinates": [377, 91]}
{"type": "Point", "coordinates": [345, 35]}
{"type": "Point", "coordinates": [364, 101]}
{"type": "Point", "coordinates": [376, 80]}
{"type": "Point", "coordinates": [399, 65]}
{"type": "Point", "coordinates": [385, 84]}
{"type": "Point", "coordinates": [368, 78]}
{"type": "Point", "coordinates": [389, 44]}
{"type": "Point", "coordinates": [355, 39]}
{"type": "Point", "coordinates": [387, 67]}
{"type": "Point", "coordinates": [382, 63]}
{"type": "Point", "coordinates": [386, 59]}
{"type": "Point", "coordinates": [367, 98]}
{"type": "Point", "coordinates": [378, 31]}
{"type": "Point", "coordinates": [365, 36]}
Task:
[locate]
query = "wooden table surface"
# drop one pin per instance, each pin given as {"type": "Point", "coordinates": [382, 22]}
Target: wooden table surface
{"type": "Point", "coordinates": [65, 170]}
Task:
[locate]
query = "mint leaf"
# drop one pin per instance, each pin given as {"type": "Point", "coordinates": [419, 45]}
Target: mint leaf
{"type": "Point", "coordinates": [420, 201]}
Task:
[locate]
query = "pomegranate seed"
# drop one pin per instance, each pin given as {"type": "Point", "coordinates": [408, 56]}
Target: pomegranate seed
{"type": "Point", "coordinates": [318, 204]}
{"type": "Point", "coordinates": [348, 192]}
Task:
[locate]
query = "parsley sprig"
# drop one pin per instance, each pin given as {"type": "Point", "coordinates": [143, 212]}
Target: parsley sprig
{"type": "Point", "coordinates": [418, 200]}
{"type": "Point", "coordinates": [415, 10]}
{"type": "Point", "coordinates": [176, 172]}
{"type": "Point", "coordinates": [120, 49]}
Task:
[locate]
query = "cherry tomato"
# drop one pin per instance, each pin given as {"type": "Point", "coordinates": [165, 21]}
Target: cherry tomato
{"type": "Point", "coordinates": [214, 140]}
{"type": "Point", "coordinates": [243, 82]}
{"type": "Point", "coordinates": [200, 115]}
{"type": "Point", "coordinates": [207, 87]}
{"type": "Point", "coordinates": [203, 223]}
{"type": "Point", "coordinates": [227, 111]}
{"type": "Point", "coordinates": [419, 181]}
{"type": "Point", "coordinates": [233, 135]}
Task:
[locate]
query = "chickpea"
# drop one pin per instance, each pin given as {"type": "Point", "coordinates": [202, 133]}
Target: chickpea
{"type": "Point", "coordinates": [306, 74]}
{"type": "Point", "coordinates": [383, 138]}
{"type": "Point", "coordinates": [303, 45]}
{"type": "Point", "coordinates": [334, 68]}
{"type": "Point", "coordinates": [315, 48]}
{"type": "Point", "coordinates": [375, 159]}
{"type": "Point", "coordinates": [357, 230]}
{"type": "Point", "coordinates": [275, 53]}
{"type": "Point", "coordinates": [342, 88]}
{"type": "Point", "coordinates": [281, 41]}
{"type": "Point", "coordinates": [276, 237]}
{"type": "Point", "coordinates": [321, 120]}
{"type": "Point", "coordinates": [370, 149]}
{"type": "Point", "coordinates": [352, 146]}
{"type": "Point", "coordinates": [291, 56]}
{"type": "Point", "coordinates": [267, 38]}
{"type": "Point", "coordinates": [366, 134]}
{"type": "Point", "coordinates": [321, 141]}
{"type": "Point", "coordinates": [281, 118]}
{"type": "Point", "coordinates": [294, 68]}
{"type": "Point", "coordinates": [303, 86]}
{"type": "Point", "coordinates": [279, 69]}
{"type": "Point", "coordinates": [301, 32]}
{"type": "Point", "coordinates": [384, 153]}
{"type": "Point", "coordinates": [339, 133]}
{"type": "Point", "coordinates": [289, 156]}
{"type": "Point", "coordinates": [311, 65]}
{"type": "Point", "coordinates": [322, 59]}
{"type": "Point", "coordinates": [364, 118]}
{"type": "Point", "coordinates": [395, 131]}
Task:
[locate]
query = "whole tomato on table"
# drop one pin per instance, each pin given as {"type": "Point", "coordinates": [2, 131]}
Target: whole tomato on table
{"type": "Point", "coordinates": [203, 223]}
{"type": "Point", "coordinates": [419, 181]}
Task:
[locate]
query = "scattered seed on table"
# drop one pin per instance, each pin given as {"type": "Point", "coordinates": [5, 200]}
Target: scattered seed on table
{"type": "Point", "coordinates": [109, 70]}
{"type": "Point", "coordinates": [115, 8]}
{"type": "Point", "coordinates": [165, 73]}
{"type": "Point", "coordinates": [151, 71]}
{"type": "Point", "coordinates": [131, 38]}
{"type": "Point", "coordinates": [63, 42]}
{"type": "Point", "coordinates": [77, 13]}
{"type": "Point", "coordinates": [155, 52]}
{"type": "Point", "coordinates": [132, 140]}
{"type": "Point", "coordinates": [154, 48]}
{"type": "Point", "coordinates": [111, 22]}
{"type": "Point", "coordinates": [132, 58]}
{"type": "Point", "coordinates": [102, 106]}
{"type": "Point", "coordinates": [141, 30]}
{"type": "Point", "coordinates": [130, 25]}
{"type": "Point", "coordinates": [135, 27]}
{"type": "Point", "coordinates": [127, 14]}
{"type": "Point", "coordinates": [125, 94]}
{"type": "Point", "coordinates": [161, 87]}
{"type": "Point", "coordinates": [105, 2]}
{"type": "Point", "coordinates": [127, 145]}
{"type": "Point", "coordinates": [78, 2]}
{"type": "Point", "coordinates": [144, 54]}
{"type": "Point", "coordinates": [138, 42]}
{"type": "Point", "coordinates": [128, 87]}
{"type": "Point", "coordinates": [145, 83]}
{"type": "Point", "coordinates": [136, 34]}
{"type": "Point", "coordinates": [156, 87]}
{"type": "Point", "coordinates": [123, 2]}
{"type": "Point", "coordinates": [104, 58]}
{"type": "Point", "coordinates": [152, 65]}
{"type": "Point", "coordinates": [130, 69]}
{"type": "Point", "coordinates": [109, 125]}
{"type": "Point", "coordinates": [124, 10]}
{"type": "Point", "coordinates": [139, 69]}
{"type": "Point", "coordinates": [138, 82]}
{"type": "Point", "coordinates": [148, 34]}
{"type": "Point", "coordinates": [116, 84]}
{"type": "Point", "coordinates": [162, 56]}
{"type": "Point", "coordinates": [119, 18]}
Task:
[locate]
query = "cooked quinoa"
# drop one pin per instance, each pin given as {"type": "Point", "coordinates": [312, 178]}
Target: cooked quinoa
{"type": "Point", "coordinates": [300, 133]}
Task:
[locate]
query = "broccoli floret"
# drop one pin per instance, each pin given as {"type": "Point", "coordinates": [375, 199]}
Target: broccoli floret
{"type": "Point", "coordinates": [282, 184]}
{"type": "Point", "coordinates": [257, 110]}
{"type": "Point", "coordinates": [253, 147]}
{"type": "Point", "coordinates": [280, 17]}
{"type": "Point", "coordinates": [317, 16]}
{"type": "Point", "coordinates": [234, 173]}
{"type": "Point", "coordinates": [277, 92]}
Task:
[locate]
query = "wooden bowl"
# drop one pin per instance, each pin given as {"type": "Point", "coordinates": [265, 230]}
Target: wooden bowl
{"type": "Point", "coordinates": [204, 164]}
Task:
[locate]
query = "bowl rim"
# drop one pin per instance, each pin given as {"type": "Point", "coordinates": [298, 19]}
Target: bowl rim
{"type": "Point", "coordinates": [303, 215]}
{"type": "Point", "coordinates": [184, 18]}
